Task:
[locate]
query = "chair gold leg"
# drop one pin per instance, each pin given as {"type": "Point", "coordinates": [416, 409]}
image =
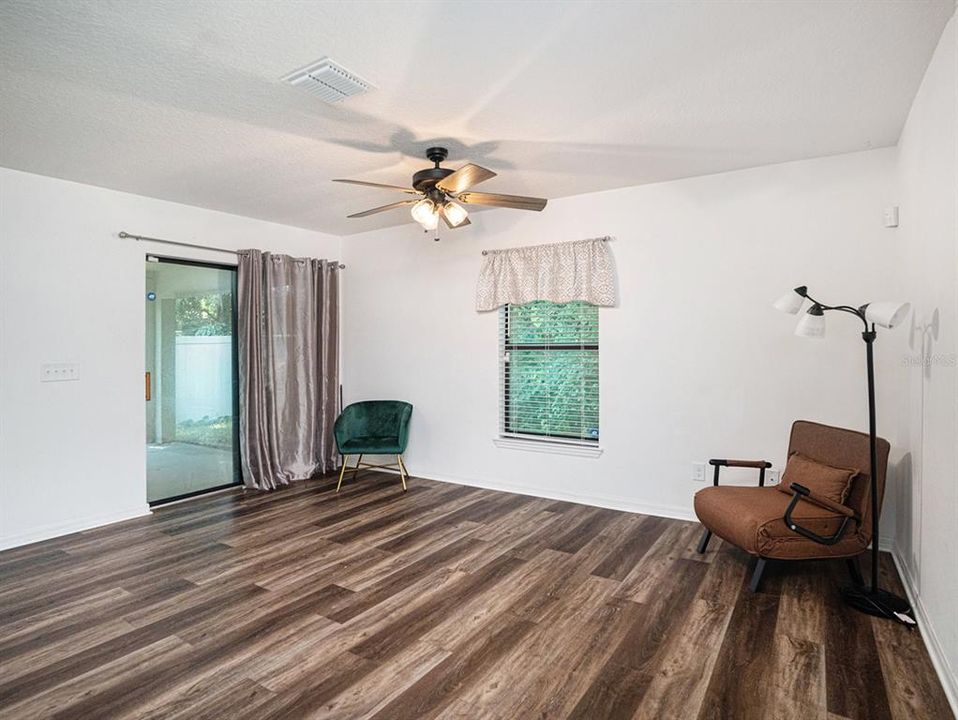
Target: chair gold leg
{"type": "Point", "coordinates": [342, 470]}
{"type": "Point", "coordinates": [402, 472]}
{"type": "Point", "coordinates": [356, 471]}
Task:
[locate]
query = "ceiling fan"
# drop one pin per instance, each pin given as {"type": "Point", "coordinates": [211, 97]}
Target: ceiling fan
{"type": "Point", "coordinates": [438, 190]}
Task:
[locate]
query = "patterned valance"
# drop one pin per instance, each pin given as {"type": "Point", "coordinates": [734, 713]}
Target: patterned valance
{"type": "Point", "coordinates": [558, 272]}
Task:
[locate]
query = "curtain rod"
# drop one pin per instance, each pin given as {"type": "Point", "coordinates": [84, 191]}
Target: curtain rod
{"type": "Point", "coordinates": [603, 239]}
{"type": "Point", "coordinates": [124, 234]}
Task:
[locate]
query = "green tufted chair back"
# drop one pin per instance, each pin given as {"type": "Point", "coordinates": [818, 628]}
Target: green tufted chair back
{"type": "Point", "coordinates": [373, 427]}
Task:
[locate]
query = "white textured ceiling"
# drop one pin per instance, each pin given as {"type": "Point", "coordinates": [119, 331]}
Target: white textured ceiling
{"type": "Point", "coordinates": [181, 100]}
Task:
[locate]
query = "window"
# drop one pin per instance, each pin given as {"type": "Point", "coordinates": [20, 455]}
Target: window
{"type": "Point", "coordinates": [550, 371]}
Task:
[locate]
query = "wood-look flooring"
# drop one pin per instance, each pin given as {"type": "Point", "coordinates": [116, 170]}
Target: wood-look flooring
{"type": "Point", "coordinates": [444, 602]}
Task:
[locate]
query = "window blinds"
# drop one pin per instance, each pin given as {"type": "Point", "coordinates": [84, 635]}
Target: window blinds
{"type": "Point", "coordinates": [549, 371]}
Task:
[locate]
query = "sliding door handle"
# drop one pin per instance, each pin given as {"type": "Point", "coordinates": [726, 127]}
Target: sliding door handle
{"type": "Point", "coordinates": [149, 388]}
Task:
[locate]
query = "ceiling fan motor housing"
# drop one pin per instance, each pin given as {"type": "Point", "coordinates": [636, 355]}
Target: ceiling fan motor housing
{"type": "Point", "coordinates": [425, 180]}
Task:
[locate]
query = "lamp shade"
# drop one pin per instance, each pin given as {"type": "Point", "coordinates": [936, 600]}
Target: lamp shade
{"type": "Point", "coordinates": [886, 314]}
{"type": "Point", "coordinates": [791, 302]}
{"type": "Point", "coordinates": [812, 324]}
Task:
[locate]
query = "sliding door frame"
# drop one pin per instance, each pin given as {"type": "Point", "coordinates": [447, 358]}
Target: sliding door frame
{"type": "Point", "coordinates": [234, 304]}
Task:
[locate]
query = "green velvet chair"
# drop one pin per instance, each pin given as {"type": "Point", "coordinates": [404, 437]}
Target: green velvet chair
{"type": "Point", "coordinates": [373, 427]}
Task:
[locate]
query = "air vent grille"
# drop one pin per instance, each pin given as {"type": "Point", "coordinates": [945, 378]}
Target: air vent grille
{"type": "Point", "coordinates": [329, 81]}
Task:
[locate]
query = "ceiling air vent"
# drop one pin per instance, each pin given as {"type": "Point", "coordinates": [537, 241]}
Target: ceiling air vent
{"type": "Point", "coordinates": [329, 81]}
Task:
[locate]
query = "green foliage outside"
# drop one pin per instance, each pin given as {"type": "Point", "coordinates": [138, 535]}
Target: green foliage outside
{"type": "Point", "coordinates": [210, 432]}
{"type": "Point", "coordinates": [553, 391]}
{"type": "Point", "coordinates": [205, 315]}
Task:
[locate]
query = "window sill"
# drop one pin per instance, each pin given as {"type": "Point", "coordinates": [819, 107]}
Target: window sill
{"type": "Point", "coordinates": [547, 446]}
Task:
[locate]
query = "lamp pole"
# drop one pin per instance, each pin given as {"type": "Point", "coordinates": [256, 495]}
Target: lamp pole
{"type": "Point", "coordinates": [872, 600]}
{"type": "Point", "coordinates": [869, 337]}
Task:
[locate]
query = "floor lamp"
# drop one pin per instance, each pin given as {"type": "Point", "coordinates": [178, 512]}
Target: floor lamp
{"type": "Point", "coordinates": [869, 599]}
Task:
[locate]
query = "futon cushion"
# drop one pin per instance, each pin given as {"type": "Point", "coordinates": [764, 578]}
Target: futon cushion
{"type": "Point", "coordinates": [752, 518]}
{"type": "Point", "coordinates": [823, 480]}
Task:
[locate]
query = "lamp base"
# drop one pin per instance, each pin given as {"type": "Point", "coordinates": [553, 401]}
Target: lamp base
{"type": "Point", "coordinates": [880, 603]}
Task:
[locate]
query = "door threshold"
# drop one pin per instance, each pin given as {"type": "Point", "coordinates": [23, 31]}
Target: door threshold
{"type": "Point", "coordinates": [193, 495]}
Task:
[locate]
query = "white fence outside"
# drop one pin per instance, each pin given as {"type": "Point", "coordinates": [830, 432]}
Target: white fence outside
{"type": "Point", "coordinates": [204, 377]}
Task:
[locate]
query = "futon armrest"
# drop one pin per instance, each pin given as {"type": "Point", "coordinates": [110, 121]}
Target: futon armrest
{"type": "Point", "coordinates": [800, 492]}
{"type": "Point", "coordinates": [722, 462]}
{"type": "Point", "coordinates": [760, 465]}
{"type": "Point", "coordinates": [823, 502]}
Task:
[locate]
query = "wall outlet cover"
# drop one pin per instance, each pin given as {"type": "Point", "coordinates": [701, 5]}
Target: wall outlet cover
{"type": "Point", "coordinates": [698, 472]}
{"type": "Point", "coordinates": [773, 477]}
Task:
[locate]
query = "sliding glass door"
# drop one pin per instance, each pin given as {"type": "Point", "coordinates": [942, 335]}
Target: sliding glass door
{"type": "Point", "coordinates": [191, 381]}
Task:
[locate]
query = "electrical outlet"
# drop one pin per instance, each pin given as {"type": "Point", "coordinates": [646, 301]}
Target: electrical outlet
{"type": "Point", "coordinates": [698, 472]}
{"type": "Point", "coordinates": [773, 477]}
{"type": "Point", "coordinates": [59, 372]}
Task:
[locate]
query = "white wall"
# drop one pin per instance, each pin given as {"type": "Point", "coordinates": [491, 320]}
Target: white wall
{"type": "Point", "coordinates": [694, 361]}
{"type": "Point", "coordinates": [72, 454]}
{"type": "Point", "coordinates": [926, 432]}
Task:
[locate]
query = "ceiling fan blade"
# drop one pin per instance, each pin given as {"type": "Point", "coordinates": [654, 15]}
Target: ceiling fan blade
{"type": "Point", "coordinates": [379, 185]}
{"type": "Point", "coordinates": [464, 178]}
{"type": "Point", "coordinates": [442, 214]}
{"type": "Point", "coordinates": [383, 208]}
{"type": "Point", "coordinates": [516, 202]}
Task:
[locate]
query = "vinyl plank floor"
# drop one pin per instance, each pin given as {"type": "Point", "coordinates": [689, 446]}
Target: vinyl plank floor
{"type": "Point", "coordinates": [443, 602]}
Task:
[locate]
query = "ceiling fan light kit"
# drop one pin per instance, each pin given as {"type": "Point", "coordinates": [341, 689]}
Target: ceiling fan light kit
{"type": "Point", "coordinates": [440, 188]}
{"type": "Point", "coordinates": [426, 214]}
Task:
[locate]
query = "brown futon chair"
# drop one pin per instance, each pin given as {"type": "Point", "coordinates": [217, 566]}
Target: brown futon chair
{"type": "Point", "coordinates": [807, 522]}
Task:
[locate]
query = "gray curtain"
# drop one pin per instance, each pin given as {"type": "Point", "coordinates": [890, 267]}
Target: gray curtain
{"type": "Point", "coordinates": [288, 322]}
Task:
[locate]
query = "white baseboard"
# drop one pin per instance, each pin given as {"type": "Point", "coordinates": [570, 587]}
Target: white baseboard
{"type": "Point", "coordinates": [675, 512]}
{"type": "Point", "coordinates": [947, 676]}
{"type": "Point", "coordinates": [669, 511]}
{"type": "Point", "coordinates": [48, 532]}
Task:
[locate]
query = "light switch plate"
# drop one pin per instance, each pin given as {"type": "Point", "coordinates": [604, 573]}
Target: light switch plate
{"type": "Point", "coordinates": [59, 372]}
